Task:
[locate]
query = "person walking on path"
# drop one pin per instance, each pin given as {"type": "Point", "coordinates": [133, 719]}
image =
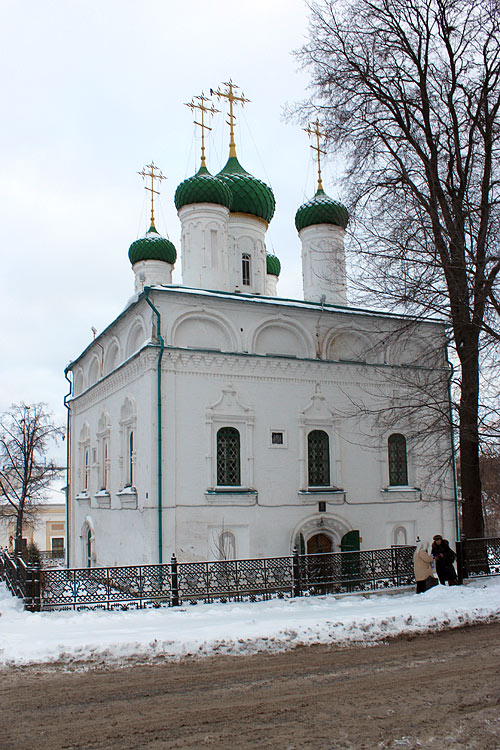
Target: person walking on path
{"type": "Point", "coordinates": [444, 557]}
{"type": "Point", "coordinates": [422, 567]}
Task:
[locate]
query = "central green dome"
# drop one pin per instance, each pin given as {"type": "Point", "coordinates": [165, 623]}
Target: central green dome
{"type": "Point", "coordinates": [202, 188]}
{"type": "Point", "coordinates": [250, 195]}
{"type": "Point", "coordinates": [152, 247]}
{"type": "Point", "coordinates": [321, 210]}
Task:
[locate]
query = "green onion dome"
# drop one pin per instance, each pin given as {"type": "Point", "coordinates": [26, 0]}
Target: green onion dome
{"type": "Point", "coordinates": [202, 188]}
{"type": "Point", "coordinates": [273, 265]}
{"type": "Point", "coordinates": [250, 195]}
{"type": "Point", "coordinates": [152, 247]}
{"type": "Point", "coordinates": [321, 210]}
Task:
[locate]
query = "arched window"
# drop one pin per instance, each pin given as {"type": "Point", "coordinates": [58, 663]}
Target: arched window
{"type": "Point", "coordinates": [398, 467]}
{"type": "Point", "coordinates": [228, 457]}
{"type": "Point", "coordinates": [86, 468]}
{"type": "Point", "coordinates": [245, 269]}
{"type": "Point", "coordinates": [318, 459]}
{"type": "Point", "coordinates": [227, 546]}
{"type": "Point", "coordinates": [131, 459]}
{"type": "Point", "coordinates": [105, 464]}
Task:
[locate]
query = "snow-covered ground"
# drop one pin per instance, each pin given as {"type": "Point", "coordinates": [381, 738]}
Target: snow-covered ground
{"type": "Point", "coordinates": [245, 628]}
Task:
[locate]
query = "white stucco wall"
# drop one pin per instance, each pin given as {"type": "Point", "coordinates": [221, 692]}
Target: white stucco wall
{"type": "Point", "coordinates": [259, 366]}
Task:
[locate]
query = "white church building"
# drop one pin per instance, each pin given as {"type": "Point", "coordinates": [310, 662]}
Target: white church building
{"type": "Point", "coordinates": [214, 419]}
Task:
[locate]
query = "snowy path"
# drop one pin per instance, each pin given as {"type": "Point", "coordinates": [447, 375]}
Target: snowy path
{"type": "Point", "coordinates": [243, 628]}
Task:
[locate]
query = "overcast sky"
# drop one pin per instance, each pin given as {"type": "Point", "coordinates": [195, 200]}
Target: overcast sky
{"type": "Point", "coordinates": [91, 92]}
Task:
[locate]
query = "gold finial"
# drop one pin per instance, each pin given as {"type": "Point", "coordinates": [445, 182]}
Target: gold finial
{"type": "Point", "coordinates": [154, 174]}
{"type": "Point", "coordinates": [310, 130]}
{"type": "Point", "coordinates": [232, 97]}
{"type": "Point", "coordinates": [204, 110]}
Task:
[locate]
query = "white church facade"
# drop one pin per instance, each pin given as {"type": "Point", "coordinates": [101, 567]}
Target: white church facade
{"type": "Point", "coordinates": [214, 419]}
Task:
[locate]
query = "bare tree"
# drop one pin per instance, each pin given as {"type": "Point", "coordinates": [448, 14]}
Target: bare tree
{"type": "Point", "coordinates": [409, 93]}
{"type": "Point", "coordinates": [25, 471]}
{"type": "Point", "coordinates": [490, 478]}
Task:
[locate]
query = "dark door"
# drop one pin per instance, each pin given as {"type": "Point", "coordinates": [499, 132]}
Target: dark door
{"type": "Point", "coordinates": [319, 543]}
{"type": "Point", "coordinates": [350, 560]}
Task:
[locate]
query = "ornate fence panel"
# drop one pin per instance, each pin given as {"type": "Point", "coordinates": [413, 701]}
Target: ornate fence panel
{"type": "Point", "coordinates": [238, 580]}
{"type": "Point", "coordinates": [481, 557]}
{"type": "Point", "coordinates": [366, 570]}
{"type": "Point", "coordinates": [131, 586]}
{"type": "Point", "coordinates": [23, 580]}
{"type": "Point", "coordinates": [140, 586]}
{"type": "Point", "coordinates": [49, 559]}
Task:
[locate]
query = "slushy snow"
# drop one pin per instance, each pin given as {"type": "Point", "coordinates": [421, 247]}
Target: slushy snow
{"type": "Point", "coordinates": [236, 628]}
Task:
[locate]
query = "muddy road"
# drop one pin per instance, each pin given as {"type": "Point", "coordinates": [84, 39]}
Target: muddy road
{"type": "Point", "coordinates": [431, 691]}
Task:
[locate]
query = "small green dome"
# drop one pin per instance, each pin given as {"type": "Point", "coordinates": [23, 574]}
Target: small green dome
{"type": "Point", "coordinates": [202, 188]}
{"type": "Point", "coordinates": [152, 247]}
{"type": "Point", "coordinates": [273, 265]}
{"type": "Point", "coordinates": [250, 195]}
{"type": "Point", "coordinates": [321, 210]}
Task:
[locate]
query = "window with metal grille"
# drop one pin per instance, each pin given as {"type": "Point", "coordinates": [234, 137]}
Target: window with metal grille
{"type": "Point", "coordinates": [228, 457]}
{"type": "Point", "coordinates": [398, 467]}
{"type": "Point", "coordinates": [318, 459]}
{"type": "Point", "coordinates": [245, 269]}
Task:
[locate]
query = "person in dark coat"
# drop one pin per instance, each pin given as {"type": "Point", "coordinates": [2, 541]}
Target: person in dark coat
{"type": "Point", "coordinates": [444, 557]}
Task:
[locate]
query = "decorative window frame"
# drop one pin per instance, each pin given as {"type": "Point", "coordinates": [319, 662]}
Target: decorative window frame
{"type": "Point", "coordinates": [229, 412]}
{"type": "Point", "coordinates": [406, 492]}
{"type": "Point", "coordinates": [103, 496]}
{"type": "Point", "coordinates": [318, 416]}
{"type": "Point", "coordinates": [85, 467]}
{"type": "Point", "coordinates": [127, 495]}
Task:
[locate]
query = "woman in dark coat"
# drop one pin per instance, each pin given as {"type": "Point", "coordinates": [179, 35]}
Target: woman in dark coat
{"type": "Point", "coordinates": [444, 557]}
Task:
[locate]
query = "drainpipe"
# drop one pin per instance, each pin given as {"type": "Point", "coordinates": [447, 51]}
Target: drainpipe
{"type": "Point", "coordinates": [452, 440]}
{"type": "Point", "coordinates": [67, 463]}
{"type": "Point", "coordinates": [158, 374]}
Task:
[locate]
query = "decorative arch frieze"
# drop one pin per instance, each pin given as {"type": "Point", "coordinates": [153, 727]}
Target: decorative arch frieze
{"type": "Point", "coordinates": [281, 337]}
{"type": "Point", "coordinates": [136, 336]}
{"type": "Point", "coordinates": [203, 330]}
{"type": "Point", "coordinates": [112, 355]}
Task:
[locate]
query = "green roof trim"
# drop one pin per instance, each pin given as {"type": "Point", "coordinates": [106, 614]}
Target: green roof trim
{"type": "Point", "coordinates": [152, 247]}
{"type": "Point", "coordinates": [202, 187]}
{"type": "Point", "coordinates": [273, 265]}
{"type": "Point", "coordinates": [321, 210]}
{"type": "Point", "coordinates": [250, 195]}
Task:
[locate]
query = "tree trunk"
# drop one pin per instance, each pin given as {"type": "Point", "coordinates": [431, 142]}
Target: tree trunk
{"type": "Point", "coordinates": [472, 513]}
{"type": "Point", "coordinates": [18, 542]}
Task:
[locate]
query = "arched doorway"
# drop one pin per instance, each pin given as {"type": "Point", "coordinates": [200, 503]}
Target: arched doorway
{"type": "Point", "coordinates": [318, 544]}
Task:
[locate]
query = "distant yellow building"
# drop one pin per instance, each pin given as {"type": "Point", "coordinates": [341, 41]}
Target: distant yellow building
{"type": "Point", "coordinates": [48, 531]}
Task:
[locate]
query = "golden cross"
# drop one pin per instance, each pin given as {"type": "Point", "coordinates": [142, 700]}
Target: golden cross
{"type": "Point", "coordinates": [231, 97]}
{"type": "Point", "coordinates": [204, 110]}
{"type": "Point", "coordinates": [310, 130]}
{"type": "Point", "coordinates": [154, 174]}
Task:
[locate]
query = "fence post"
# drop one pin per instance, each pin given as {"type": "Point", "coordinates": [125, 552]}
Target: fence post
{"type": "Point", "coordinates": [461, 567]}
{"type": "Point", "coordinates": [297, 588]}
{"type": "Point", "coordinates": [174, 583]}
{"type": "Point", "coordinates": [32, 587]}
{"type": "Point", "coordinates": [36, 587]}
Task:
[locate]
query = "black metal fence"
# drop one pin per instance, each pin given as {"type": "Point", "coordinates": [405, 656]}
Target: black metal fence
{"type": "Point", "coordinates": [140, 586]}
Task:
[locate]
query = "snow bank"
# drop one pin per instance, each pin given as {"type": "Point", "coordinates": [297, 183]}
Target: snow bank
{"type": "Point", "coordinates": [238, 628]}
